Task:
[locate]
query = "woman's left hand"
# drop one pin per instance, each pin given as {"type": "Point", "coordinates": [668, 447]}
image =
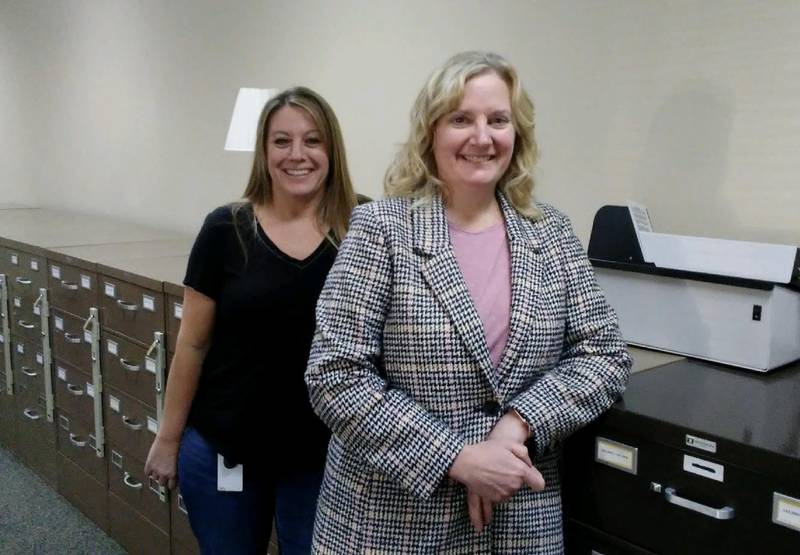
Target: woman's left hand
{"type": "Point", "coordinates": [509, 428]}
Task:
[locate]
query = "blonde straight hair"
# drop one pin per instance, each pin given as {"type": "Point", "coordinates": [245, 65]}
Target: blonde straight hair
{"type": "Point", "coordinates": [413, 171]}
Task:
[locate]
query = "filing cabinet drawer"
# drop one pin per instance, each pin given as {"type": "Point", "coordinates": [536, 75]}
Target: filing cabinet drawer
{"type": "Point", "coordinates": [174, 317]}
{"type": "Point", "coordinates": [27, 361]}
{"type": "Point", "coordinates": [76, 441]}
{"type": "Point", "coordinates": [8, 423]}
{"type": "Point", "coordinates": [26, 273]}
{"type": "Point", "coordinates": [133, 531]}
{"type": "Point", "coordinates": [126, 368]}
{"type": "Point", "coordinates": [131, 310]}
{"type": "Point", "coordinates": [126, 480]}
{"type": "Point", "coordinates": [83, 491]}
{"type": "Point", "coordinates": [72, 289]}
{"type": "Point", "coordinates": [128, 423]}
{"type": "Point", "coordinates": [74, 392]}
{"type": "Point", "coordinates": [70, 342]}
{"type": "Point", "coordinates": [183, 540]}
{"type": "Point", "coordinates": [35, 437]}
{"type": "Point", "coordinates": [26, 321]}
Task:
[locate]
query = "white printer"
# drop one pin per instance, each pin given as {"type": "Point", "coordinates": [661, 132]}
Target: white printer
{"type": "Point", "coordinates": [732, 302]}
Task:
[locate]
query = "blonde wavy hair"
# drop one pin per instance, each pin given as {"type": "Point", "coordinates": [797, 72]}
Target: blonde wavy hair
{"type": "Point", "coordinates": [412, 174]}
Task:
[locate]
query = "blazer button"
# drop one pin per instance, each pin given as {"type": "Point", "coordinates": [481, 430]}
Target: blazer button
{"type": "Point", "coordinates": [491, 408]}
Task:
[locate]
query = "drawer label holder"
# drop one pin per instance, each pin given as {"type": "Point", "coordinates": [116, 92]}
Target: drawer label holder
{"type": "Point", "coordinates": [616, 455]}
{"type": "Point", "coordinates": [786, 511]}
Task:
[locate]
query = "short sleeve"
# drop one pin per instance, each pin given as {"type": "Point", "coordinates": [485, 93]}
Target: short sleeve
{"type": "Point", "coordinates": [206, 262]}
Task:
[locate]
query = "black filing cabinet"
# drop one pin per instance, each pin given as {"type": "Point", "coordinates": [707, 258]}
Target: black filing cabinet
{"type": "Point", "coordinates": [696, 458]}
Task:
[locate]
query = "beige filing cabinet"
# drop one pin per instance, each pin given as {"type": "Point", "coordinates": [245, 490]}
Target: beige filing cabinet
{"type": "Point", "coordinates": [71, 246]}
{"type": "Point", "coordinates": [80, 377]}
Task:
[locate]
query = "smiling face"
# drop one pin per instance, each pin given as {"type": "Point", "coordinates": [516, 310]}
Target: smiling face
{"type": "Point", "coordinates": [473, 145]}
{"type": "Point", "coordinates": [297, 157]}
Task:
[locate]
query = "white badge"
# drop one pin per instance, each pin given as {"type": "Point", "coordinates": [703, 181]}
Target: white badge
{"type": "Point", "coordinates": [90, 390]}
{"type": "Point", "coordinates": [112, 347]}
{"type": "Point", "coordinates": [14, 260]}
{"type": "Point", "coordinates": [150, 365]}
{"type": "Point", "coordinates": [39, 358]}
{"type": "Point", "coordinates": [229, 479]}
{"type": "Point", "coordinates": [59, 323]}
{"type": "Point", "coordinates": [178, 311]}
{"type": "Point", "coordinates": [35, 265]}
{"type": "Point", "coordinates": [87, 336]}
{"type": "Point", "coordinates": [86, 282]}
{"type": "Point", "coordinates": [148, 303]}
{"type": "Point", "coordinates": [18, 302]}
{"type": "Point", "coordinates": [152, 425]}
{"type": "Point", "coordinates": [55, 271]}
{"type": "Point", "coordinates": [113, 403]}
{"type": "Point", "coordinates": [37, 310]}
{"type": "Point", "coordinates": [110, 290]}
{"type": "Point", "coordinates": [62, 373]}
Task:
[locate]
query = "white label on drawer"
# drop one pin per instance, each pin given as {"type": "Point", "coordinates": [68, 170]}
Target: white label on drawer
{"type": "Point", "coordinates": [18, 302]}
{"type": "Point", "coordinates": [150, 364]}
{"type": "Point", "coordinates": [37, 310]}
{"type": "Point", "coordinates": [14, 260]}
{"type": "Point", "coordinates": [2, 338]}
{"type": "Point", "coordinates": [87, 336]}
{"type": "Point", "coordinates": [35, 265]}
{"type": "Point", "coordinates": [152, 424]}
{"type": "Point", "coordinates": [86, 282]}
{"type": "Point", "coordinates": [39, 358]}
{"type": "Point", "coordinates": [706, 469]}
{"type": "Point", "coordinates": [786, 511]}
{"type": "Point", "coordinates": [55, 271]}
{"type": "Point", "coordinates": [21, 348]}
{"type": "Point", "coordinates": [700, 443]}
{"type": "Point", "coordinates": [148, 303]}
{"type": "Point", "coordinates": [178, 310]}
{"type": "Point", "coordinates": [110, 290]}
{"type": "Point", "coordinates": [113, 403]}
{"type": "Point", "coordinates": [90, 390]}
{"type": "Point", "coordinates": [615, 454]}
{"type": "Point", "coordinates": [62, 373]}
{"type": "Point", "coordinates": [59, 323]}
{"type": "Point", "coordinates": [112, 347]}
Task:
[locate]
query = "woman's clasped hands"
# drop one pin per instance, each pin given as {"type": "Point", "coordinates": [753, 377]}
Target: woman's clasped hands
{"type": "Point", "coordinates": [495, 469]}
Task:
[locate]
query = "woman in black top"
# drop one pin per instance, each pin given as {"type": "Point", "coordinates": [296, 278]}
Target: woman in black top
{"type": "Point", "coordinates": [235, 401]}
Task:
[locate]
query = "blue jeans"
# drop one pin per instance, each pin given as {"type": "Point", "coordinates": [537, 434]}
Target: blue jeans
{"type": "Point", "coordinates": [240, 522]}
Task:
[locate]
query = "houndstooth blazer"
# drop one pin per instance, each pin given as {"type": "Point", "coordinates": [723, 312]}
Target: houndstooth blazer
{"type": "Point", "coordinates": [400, 371]}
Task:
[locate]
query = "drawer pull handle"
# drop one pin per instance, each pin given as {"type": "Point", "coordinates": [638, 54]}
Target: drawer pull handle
{"type": "Point", "coordinates": [130, 482]}
{"type": "Point", "coordinates": [27, 371]}
{"type": "Point", "coordinates": [127, 306]}
{"type": "Point", "coordinates": [69, 285]}
{"type": "Point", "coordinates": [132, 424]}
{"type": "Point", "coordinates": [26, 325]}
{"type": "Point", "coordinates": [725, 513]}
{"type": "Point", "coordinates": [76, 441]}
{"type": "Point", "coordinates": [128, 366]}
{"type": "Point", "coordinates": [30, 414]}
{"type": "Point", "coordinates": [23, 281]}
{"type": "Point", "coordinates": [76, 390]}
{"type": "Point", "coordinates": [71, 338]}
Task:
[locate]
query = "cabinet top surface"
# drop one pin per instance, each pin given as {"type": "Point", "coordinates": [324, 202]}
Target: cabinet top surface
{"type": "Point", "coordinates": [59, 228]}
{"type": "Point", "coordinates": [760, 410]}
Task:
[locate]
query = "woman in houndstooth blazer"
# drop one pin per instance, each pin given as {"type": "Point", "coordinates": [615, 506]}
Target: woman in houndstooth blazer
{"type": "Point", "coordinates": [448, 410]}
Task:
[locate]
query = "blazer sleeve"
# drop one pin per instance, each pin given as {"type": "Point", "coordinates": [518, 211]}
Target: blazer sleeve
{"type": "Point", "coordinates": [347, 385]}
{"type": "Point", "coordinates": [594, 365]}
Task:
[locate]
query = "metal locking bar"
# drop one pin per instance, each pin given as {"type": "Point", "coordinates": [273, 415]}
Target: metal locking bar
{"type": "Point", "coordinates": [44, 313]}
{"type": "Point", "coordinates": [161, 365]}
{"type": "Point", "coordinates": [5, 329]}
{"type": "Point", "coordinates": [92, 325]}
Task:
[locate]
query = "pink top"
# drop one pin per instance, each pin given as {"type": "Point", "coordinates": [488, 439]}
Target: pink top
{"type": "Point", "coordinates": [485, 263]}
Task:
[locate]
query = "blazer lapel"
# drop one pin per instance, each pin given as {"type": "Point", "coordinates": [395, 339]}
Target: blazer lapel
{"type": "Point", "coordinates": [442, 273]}
{"type": "Point", "coordinates": [526, 274]}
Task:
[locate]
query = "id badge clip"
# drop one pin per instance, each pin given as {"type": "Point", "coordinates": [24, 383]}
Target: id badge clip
{"type": "Point", "coordinates": [228, 479]}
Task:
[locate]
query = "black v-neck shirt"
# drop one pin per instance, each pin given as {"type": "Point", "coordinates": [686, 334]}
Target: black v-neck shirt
{"type": "Point", "coordinates": [252, 403]}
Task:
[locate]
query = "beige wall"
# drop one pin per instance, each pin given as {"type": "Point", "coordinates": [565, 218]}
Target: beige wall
{"type": "Point", "coordinates": [692, 107]}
